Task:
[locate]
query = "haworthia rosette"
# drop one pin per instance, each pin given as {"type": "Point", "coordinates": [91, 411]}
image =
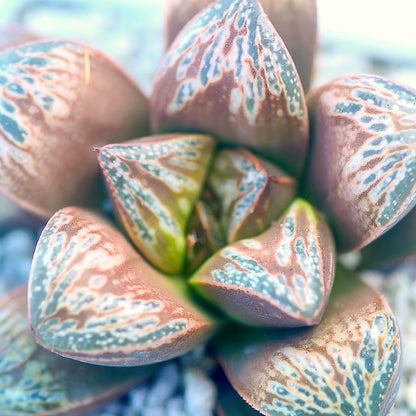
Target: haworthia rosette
{"type": "Point", "coordinates": [362, 169]}
{"type": "Point", "coordinates": [294, 20]}
{"type": "Point", "coordinates": [252, 192]}
{"type": "Point", "coordinates": [283, 277]}
{"type": "Point", "coordinates": [58, 99]}
{"type": "Point", "coordinates": [34, 381]}
{"type": "Point", "coordinates": [93, 298]}
{"type": "Point", "coordinates": [348, 365]}
{"type": "Point", "coordinates": [155, 183]}
{"type": "Point", "coordinates": [228, 73]}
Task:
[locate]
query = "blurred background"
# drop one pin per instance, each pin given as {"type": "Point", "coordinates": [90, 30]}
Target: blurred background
{"type": "Point", "coordinates": [355, 36]}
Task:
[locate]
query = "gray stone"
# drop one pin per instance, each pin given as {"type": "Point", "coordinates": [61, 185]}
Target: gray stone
{"type": "Point", "coordinates": [200, 393]}
{"type": "Point", "coordinates": [164, 386]}
{"type": "Point", "coordinates": [137, 398]}
{"type": "Point", "coordinates": [154, 411]}
{"type": "Point", "coordinates": [175, 407]}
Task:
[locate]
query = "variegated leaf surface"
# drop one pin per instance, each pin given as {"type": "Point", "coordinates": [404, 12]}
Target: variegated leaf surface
{"type": "Point", "coordinates": [297, 23]}
{"type": "Point", "coordinates": [362, 169]}
{"type": "Point", "coordinates": [155, 183]}
{"type": "Point", "coordinates": [93, 298]}
{"type": "Point", "coordinates": [348, 365]}
{"type": "Point", "coordinates": [204, 236]}
{"type": "Point", "coordinates": [294, 20]}
{"type": "Point", "coordinates": [58, 99]}
{"type": "Point", "coordinates": [228, 73]}
{"type": "Point", "coordinates": [34, 381]}
{"type": "Point", "coordinates": [283, 277]}
{"type": "Point", "coordinates": [252, 191]}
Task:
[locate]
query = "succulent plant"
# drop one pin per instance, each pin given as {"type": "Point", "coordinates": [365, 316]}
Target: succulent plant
{"type": "Point", "coordinates": [232, 195]}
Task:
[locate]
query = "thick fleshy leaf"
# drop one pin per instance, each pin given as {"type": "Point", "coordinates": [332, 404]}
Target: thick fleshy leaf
{"type": "Point", "coordinates": [34, 381]}
{"type": "Point", "coordinates": [229, 73]}
{"type": "Point", "coordinates": [396, 245]}
{"type": "Point", "coordinates": [347, 365]}
{"type": "Point", "coordinates": [204, 236]}
{"type": "Point", "coordinates": [281, 278]}
{"type": "Point", "coordinates": [363, 160]}
{"type": "Point", "coordinates": [252, 191]}
{"type": "Point", "coordinates": [93, 298]}
{"type": "Point", "coordinates": [58, 99]}
{"type": "Point", "coordinates": [155, 183]}
{"type": "Point", "coordinates": [294, 20]}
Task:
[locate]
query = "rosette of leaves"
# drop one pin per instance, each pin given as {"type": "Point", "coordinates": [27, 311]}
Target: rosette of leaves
{"type": "Point", "coordinates": [215, 235]}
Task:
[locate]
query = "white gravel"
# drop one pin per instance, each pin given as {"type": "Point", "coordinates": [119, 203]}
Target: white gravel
{"type": "Point", "coordinates": [182, 387]}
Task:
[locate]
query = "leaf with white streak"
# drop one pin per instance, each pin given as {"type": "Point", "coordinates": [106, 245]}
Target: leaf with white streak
{"type": "Point", "coordinates": [252, 192]}
{"type": "Point", "coordinates": [283, 277]}
{"type": "Point", "coordinates": [294, 20]}
{"type": "Point", "coordinates": [228, 73]}
{"type": "Point", "coordinates": [58, 99]}
{"type": "Point", "coordinates": [33, 381]}
{"type": "Point", "coordinates": [95, 299]}
{"type": "Point", "coordinates": [155, 183]}
{"type": "Point", "coordinates": [348, 365]}
{"type": "Point", "coordinates": [362, 167]}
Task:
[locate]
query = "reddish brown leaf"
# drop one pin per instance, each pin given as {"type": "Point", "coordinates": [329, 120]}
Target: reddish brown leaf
{"type": "Point", "coordinates": [347, 365]}
{"type": "Point", "coordinates": [252, 191]}
{"type": "Point", "coordinates": [363, 159]}
{"type": "Point", "coordinates": [94, 299]}
{"type": "Point", "coordinates": [294, 20]}
{"type": "Point", "coordinates": [283, 277]}
{"type": "Point", "coordinates": [58, 99]}
{"type": "Point", "coordinates": [229, 74]}
{"type": "Point", "coordinates": [34, 381]}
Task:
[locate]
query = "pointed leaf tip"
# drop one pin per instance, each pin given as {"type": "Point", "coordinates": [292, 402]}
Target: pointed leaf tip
{"type": "Point", "coordinates": [349, 364]}
{"type": "Point", "coordinates": [294, 20]}
{"type": "Point", "coordinates": [283, 277]}
{"type": "Point", "coordinates": [228, 73]}
{"type": "Point", "coordinates": [252, 192]}
{"type": "Point", "coordinates": [155, 183]}
{"type": "Point", "coordinates": [93, 298]}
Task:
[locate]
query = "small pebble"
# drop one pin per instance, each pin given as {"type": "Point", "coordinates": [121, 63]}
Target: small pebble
{"type": "Point", "coordinates": [154, 411]}
{"type": "Point", "coordinates": [17, 243]}
{"type": "Point", "coordinates": [175, 407]}
{"type": "Point", "coordinates": [164, 386]}
{"type": "Point", "coordinates": [137, 398]}
{"type": "Point", "coordinates": [200, 393]}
